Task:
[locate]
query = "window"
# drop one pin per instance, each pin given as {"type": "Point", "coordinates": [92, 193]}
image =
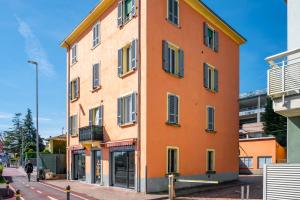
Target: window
{"type": "Point", "coordinates": [96, 76]}
{"type": "Point", "coordinates": [73, 125]}
{"type": "Point", "coordinates": [74, 89]}
{"type": "Point", "coordinates": [173, 109]}
{"type": "Point", "coordinates": [74, 54]}
{"type": "Point", "coordinates": [173, 11]}
{"type": "Point", "coordinates": [211, 38]}
{"type": "Point", "coordinates": [246, 162]}
{"type": "Point", "coordinates": [173, 59]}
{"type": "Point", "coordinates": [264, 160]}
{"type": "Point", "coordinates": [127, 58]}
{"type": "Point", "coordinates": [126, 10]}
{"type": "Point", "coordinates": [127, 109]}
{"type": "Point", "coordinates": [173, 160]}
{"type": "Point", "coordinates": [210, 160]}
{"type": "Point", "coordinates": [210, 118]}
{"type": "Point", "coordinates": [96, 116]}
{"type": "Point", "coordinates": [96, 34]}
{"type": "Point", "coordinates": [211, 78]}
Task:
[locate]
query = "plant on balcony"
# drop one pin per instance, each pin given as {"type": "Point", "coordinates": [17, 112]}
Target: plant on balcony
{"type": "Point", "coordinates": [274, 124]}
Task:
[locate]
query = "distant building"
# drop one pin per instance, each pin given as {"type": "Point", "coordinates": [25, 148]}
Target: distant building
{"type": "Point", "coordinates": [57, 144]}
{"type": "Point", "coordinates": [256, 148]}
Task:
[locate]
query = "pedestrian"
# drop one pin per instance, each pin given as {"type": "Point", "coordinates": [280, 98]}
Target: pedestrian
{"type": "Point", "coordinates": [28, 169]}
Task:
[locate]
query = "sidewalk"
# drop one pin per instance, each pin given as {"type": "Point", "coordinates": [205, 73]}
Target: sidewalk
{"type": "Point", "coordinates": [102, 192]}
{"type": "Point", "coordinates": [13, 172]}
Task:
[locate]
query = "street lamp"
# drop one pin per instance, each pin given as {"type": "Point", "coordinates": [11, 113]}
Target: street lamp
{"type": "Point", "coordinates": [37, 116]}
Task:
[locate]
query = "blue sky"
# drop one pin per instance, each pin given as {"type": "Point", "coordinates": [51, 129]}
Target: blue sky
{"type": "Point", "coordinates": [33, 29]}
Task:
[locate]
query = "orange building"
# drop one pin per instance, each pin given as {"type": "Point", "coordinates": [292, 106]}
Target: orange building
{"type": "Point", "coordinates": [153, 90]}
{"type": "Point", "coordinates": [255, 152]}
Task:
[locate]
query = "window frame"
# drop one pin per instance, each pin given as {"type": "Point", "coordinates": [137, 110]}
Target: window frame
{"type": "Point", "coordinates": [178, 15]}
{"type": "Point", "coordinates": [72, 89]}
{"type": "Point", "coordinates": [95, 87]}
{"type": "Point", "coordinates": [74, 54]}
{"type": "Point", "coordinates": [71, 123]}
{"type": "Point", "coordinates": [265, 159]}
{"type": "Point", "coordinates": [95, 44]}
{"type": "Point", "coordinates": [131, 119]}
{"type": "Point", "coordinates": [242, 158]}
{"type": "Point", "coordinates": [178, 110]}
{"type": "Point", "coordinates": [177, 159]}
{"type": "Point", "coordinates": [213, 160]}
{"type": "Point", "coordinates": [212, 45]}
{"type": "Point", "coordinates": [211, 73]}
{"type": "Point", "coordinates": [207, 119]}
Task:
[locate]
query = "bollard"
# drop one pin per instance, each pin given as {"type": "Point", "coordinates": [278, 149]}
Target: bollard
{"type": "Point", "coordinates": [7, 188]}
{"type": "Point", "coordinates": [242, 192]}
{"type": "Point", "coordinates": [68, 190]}
{"type": "Point", "coordinates": [248, 192]}
{"type": "Point", "coordinates": [172, 194]}
{"type": "Point", "coordinates": [18, 195]}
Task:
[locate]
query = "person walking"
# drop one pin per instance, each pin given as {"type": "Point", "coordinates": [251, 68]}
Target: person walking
{"type": "Point", "coordinates": [28, 169]}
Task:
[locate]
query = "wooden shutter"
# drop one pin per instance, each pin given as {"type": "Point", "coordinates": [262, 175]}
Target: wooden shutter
{"type": "Point", "coordinates": [216, 80]}
{"type": "Point", "coordinates": [176, 12]}
{"type": "Point", "coordinates": [205, 75]}
{"type": "Point", "coordinates": [133, 107]}
{"type": "Point", "coordinates": [120, 13]}
{"type": "Point", "coordinates": [171, 108]}
{"type": "Point", "coordinates": [205, 34]}
{"type": "Point", "coordinates": [90, 117]}
{"type": "Point", "coordinates": [76, 88]}
{"type": "Point", "coordinates": [165, 56]}
{"type": "Point", "coordinates": [133, 9]}
{"type": "Point", "coordinates": [181, 62]}
{"type": "Point", "coordinates": [120, 111]}
{"type": "Point", "coordinates": [101, 115]}
{"type": "Point", "coordinates": [120, 62]}
{"type": "Point", "coordinates": [70, 91]}
{"type": "Point", "coordinates": [171, 10]}
{"type": "Point", "coordinates": [95, 75]}
{"type": "Point", "coordinates": [176, 109]}
{"type": "Point", "coordinates": [216, 41]}
{"type": "Point", "coordinates": [133, 50]}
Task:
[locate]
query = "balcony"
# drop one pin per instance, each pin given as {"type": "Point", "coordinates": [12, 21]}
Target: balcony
{"type": "Point", "coordinates": [251, 111]}
{"type": "Point", "coordinates": [91, 134]}
{"type": "Point", "coordinates": [284, 74]}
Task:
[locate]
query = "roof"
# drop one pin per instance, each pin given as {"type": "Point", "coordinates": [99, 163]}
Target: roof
{"type": "Point", "coordinates": [253, 94]}
{"type": "Point", "coordinates": [58, 137]}
{"type": "Point", "coordinates": [197, 5]}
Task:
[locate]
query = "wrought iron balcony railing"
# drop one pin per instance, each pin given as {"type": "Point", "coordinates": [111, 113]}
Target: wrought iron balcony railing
{"type": "Point", "coordinates": [284, 73]}
{"type": "Point", "coordinates": [91, 133]}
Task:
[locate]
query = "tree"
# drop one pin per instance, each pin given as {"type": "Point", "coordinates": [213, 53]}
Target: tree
{"type": "Point", "coordinates": [30, 133]}
{"type": "Point", "coordinates": [12, 137]}
{"type": "Point", "coordinates": [275, 124]}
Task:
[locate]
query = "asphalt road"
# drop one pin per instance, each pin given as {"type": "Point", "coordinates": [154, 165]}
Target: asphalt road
{"type": "Point", "coordinates": [40, 191]}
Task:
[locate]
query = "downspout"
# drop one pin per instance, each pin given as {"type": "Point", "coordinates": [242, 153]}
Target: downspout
{"type": "Point", "coordinates": [68, 115]}
{"type": "Point", "coordinates": [139, 100]}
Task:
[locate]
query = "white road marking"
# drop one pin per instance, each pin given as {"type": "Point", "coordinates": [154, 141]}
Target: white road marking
{"type": "Point", "coordinates": [75, 195]}
{"type": "Point", "coordinates": [39, 191]}
{"type": "Point", "coordinates": [51, 198]}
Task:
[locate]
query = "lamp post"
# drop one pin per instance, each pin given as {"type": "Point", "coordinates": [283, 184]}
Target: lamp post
{"type": "Point", "coordinates": [37, 117]}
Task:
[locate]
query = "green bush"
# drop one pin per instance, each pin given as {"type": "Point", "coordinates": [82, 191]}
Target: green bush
{"type": "Point", "coordinates": [46, 151]}
{"type": "Point", "coordinates": [1, 170]}
{"type": "Point", "coordinates": [30, 155]}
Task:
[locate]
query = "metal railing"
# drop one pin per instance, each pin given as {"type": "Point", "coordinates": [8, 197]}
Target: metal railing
{"type": "Point", "coordinates": [251, 111]}
{"type": "Point", "coordinates": [284, 75]}
{"type": "Point", "coordinates": [91, 133]}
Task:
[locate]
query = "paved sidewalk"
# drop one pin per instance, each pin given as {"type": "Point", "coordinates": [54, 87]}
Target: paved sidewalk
{"type": "Point", "coordinates": [13, 171]}
{"type": "Point", "coordinates": [102, 192]}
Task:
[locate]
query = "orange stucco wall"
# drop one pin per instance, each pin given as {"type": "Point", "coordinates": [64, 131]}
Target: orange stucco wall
{"type": "Point", "coordinates": [261, 147]}
{"type": "Point", "coordinates": [191, 137]}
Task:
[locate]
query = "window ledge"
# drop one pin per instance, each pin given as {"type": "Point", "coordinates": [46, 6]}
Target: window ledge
{"type": "Point", "coordinates": [74, 135]}
{"type": "Point", "coordinates": [210, 131]}
{"type": "Point", "coordinates": [96, 89]}
{"type": "Point", "coordinates": [127, 124]}
{"type": "Point", "coordinates": [174, 173]}
{"type": "Point", "coordinates": [174, 75]}
{"type": "Point", "coordinates": [75, 99]}
{"type": "Point", "coordinates": [172, 23]}
{"type": "Point", "coordinates": [211, 172]}
{"type": "Point", "coordinates": [173, 124]}
{"type": "Point", "coordinates": [210, 90]}
{"type": "Point", "coordinates": [94, 47]}
{"type": "Point", "coordinates": [127, 73]}
{"type": "Point", "coordinates": [74, 63]}
{"type": "Point", "coordinates": [127, 20]}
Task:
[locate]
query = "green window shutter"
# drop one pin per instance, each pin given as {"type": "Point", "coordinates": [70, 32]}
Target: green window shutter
{"type": "Point", "coordinates": [216, 80]}
{"type": "Point", "coordinates": [165, 56]}
{"type": "Point", "coordinates": [133, 107]}
{"type": "Point", "coordinates": [205, 76]}
{"type": "Point", "coordinates": [181, 62]}
{"type": "Point", "coordinates": [120, 111]}
{"type": "Point", "coordinates": [120, 62]}
{"type": "Point", "coordinates": [120, 13]}
{"type": "Point", "coordinates": [133, 9]}
{"type": "Point", "coordinates": [171, 10]}
{"type": "Point", "coordinates": [133, 54]}
{"type": "Point", "coordinates": [205, 34]}
{"type": "Point", "coordinates": [101, 115]}
{"type": "Point", "coordinates": [90, 117]}
{"type": "Point", "coordinates": [216, 41]}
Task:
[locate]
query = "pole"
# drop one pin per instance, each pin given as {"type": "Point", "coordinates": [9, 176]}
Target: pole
{"type": "Point", "coordinates": [37, 122]}
{"type": "Point", "coordinates": [242, 192]}
{"type": "Point", "coordinates": [248, 192]}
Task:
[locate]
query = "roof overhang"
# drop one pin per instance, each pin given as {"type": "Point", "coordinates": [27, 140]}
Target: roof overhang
{"type": "Point", "coordinates": [197, 5]}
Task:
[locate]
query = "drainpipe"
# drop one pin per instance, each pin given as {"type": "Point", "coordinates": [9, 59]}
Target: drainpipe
{"type": "Point", "coordinates": [139, 104]}
{"type": "Point", "coordinates": [68, 115]}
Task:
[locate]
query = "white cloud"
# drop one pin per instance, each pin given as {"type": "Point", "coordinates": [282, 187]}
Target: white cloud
{"type": "Point", "coordinates": [5, 115]}
{"type": "Point", "coordinates": [34, 49]}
